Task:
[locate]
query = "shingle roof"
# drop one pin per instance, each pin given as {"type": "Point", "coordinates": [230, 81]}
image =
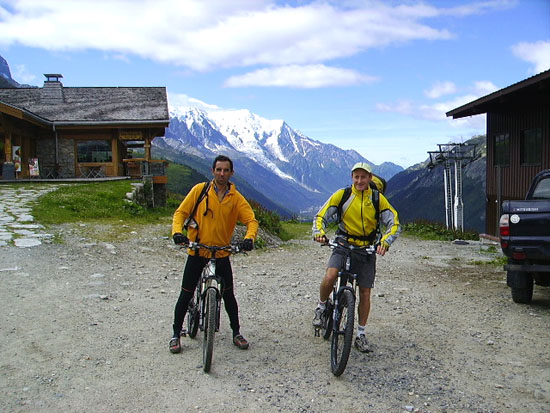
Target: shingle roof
{"type": "Point", "coordinates": [60, 104]}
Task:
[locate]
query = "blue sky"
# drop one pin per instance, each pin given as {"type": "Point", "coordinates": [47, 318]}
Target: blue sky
{"type": "Point", "coordinates": [374, 76]}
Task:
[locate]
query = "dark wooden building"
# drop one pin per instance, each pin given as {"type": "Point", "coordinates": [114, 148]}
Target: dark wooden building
{"type": "Point", "coordinates": [518, 139]}
{"type": "Point", "coordinates": [80, 132]}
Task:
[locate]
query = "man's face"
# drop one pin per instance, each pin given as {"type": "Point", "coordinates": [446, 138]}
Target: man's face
{"type": "Point", "coordinates": [222, 172]}
{"type": "Point", "coordinates": [361, 179]}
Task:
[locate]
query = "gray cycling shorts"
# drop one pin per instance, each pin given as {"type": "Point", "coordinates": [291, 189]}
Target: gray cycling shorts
{"type": "Point", "coordinates": [364, 265]}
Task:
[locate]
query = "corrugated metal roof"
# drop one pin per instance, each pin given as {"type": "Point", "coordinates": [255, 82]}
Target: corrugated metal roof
{"type": "Point", "coordinates": [483, 104]}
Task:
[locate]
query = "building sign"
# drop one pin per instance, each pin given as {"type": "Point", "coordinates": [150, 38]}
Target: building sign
{"type": "Point", "coordinates": [131, 136]}
{"type": "Point", "coordinates": [34, 170]}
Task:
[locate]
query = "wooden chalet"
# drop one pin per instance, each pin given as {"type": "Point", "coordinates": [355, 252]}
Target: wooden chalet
{"type": "Point", "coordinates": [57, 132]}
{"type": "Point", "coordinates": [518, 139]}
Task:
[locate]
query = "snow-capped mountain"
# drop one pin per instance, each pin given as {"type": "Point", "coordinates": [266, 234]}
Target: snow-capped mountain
{"type": "Point", "coordinates": [6, 80]}
{"type": "Point", "coordinates": [285, 166]}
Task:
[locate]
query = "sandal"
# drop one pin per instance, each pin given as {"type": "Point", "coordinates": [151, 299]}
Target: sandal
{"type": "Point", "coordinates": [175, 346]}
{"type": "Point", "coordinates": [240, 342]}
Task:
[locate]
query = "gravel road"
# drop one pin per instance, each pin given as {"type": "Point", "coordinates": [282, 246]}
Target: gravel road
{"type": "Point", "coordinates": [85, 327]}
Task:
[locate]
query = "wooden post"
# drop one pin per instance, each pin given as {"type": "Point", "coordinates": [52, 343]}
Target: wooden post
{"type": "Point", "coordinates": [8, 169]}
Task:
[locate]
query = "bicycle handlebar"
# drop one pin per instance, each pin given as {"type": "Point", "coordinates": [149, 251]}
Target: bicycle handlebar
{"type": "Point", "coordinates": [233, 248]}
{"type": "Point", "coordinates": [339, 242]}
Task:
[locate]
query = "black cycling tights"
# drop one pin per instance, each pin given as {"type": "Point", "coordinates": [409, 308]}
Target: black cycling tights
{"type": "Point", "coordinates": [191, 275]}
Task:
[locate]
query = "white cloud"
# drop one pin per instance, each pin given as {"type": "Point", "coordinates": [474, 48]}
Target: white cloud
{"type": "Point", "coordinates": [537, 53]}
{"type": "Point", "coordinates": [479, 7]}
{"type": "Point", "coordinates": [440, 89]}
{"type": "Point", "coordinates": [309, 76]}
{"type": "Point", "coordinates": [21, 74]}
{"type": "Point", "coordinates": [436, 112]}
{"type": "Point", "coordinates": [484, 87]}
{"type": "Point", "coordinates": [203, 35]}
{"type": "Point", "coordinates": [182, 100]}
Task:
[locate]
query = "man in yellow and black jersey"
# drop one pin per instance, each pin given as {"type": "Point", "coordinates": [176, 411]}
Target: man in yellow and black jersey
{"type": "Point", "coordinates": [357, 222]}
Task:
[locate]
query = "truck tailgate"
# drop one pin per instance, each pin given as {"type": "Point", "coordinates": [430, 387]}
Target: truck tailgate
{"type": "Point", "coordinates": [529, 218]}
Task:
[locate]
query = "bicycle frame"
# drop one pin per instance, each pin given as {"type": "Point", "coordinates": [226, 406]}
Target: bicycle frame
{"type": "Point", "coordinates": [343, 288]}
{"type": "Point", "coordinates": [344, 277]}
{"type": "Point", "coordinates": [208, 280]}
{"type": "Point", "coordinates": [206, 304]}
{"type": "Point", "coordinates": [344, 273]}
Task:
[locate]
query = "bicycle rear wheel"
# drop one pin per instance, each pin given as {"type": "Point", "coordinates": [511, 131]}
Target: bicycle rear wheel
{"type": "Point", "coordinates": [193, 318]}
{"type": "Point", "coordinates": [209, 328]}
{"type": "Point", "coordinates": [343, 333]}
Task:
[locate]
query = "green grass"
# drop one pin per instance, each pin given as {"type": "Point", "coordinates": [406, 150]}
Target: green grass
{"type": "Point", "coordinates": [437, 232]}
{"type": "Point", "coordinates": [297, 230]}
{"type": "Point", "coordinates": [496, 262]}
{"type": "Point", "coordinates": [103, 202]}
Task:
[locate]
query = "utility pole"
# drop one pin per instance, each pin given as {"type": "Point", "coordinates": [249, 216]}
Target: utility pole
{"type": "Point", "coordinates": [460, 154]}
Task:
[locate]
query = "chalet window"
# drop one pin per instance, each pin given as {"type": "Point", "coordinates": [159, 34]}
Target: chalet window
{"type": "Point", "coordinates": [502, 150]}
{"type": "Point", "coordinates": [94, 151]}
{"type": "Point", "coordinates": [531, 147]}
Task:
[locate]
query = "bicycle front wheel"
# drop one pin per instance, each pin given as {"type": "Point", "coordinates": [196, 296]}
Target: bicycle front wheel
{"type": "Point", "coordinates": [343, 333]}
{"type": "Point", "coordinates": [209, 328]}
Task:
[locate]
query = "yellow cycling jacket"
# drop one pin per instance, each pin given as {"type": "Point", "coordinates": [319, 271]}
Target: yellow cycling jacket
{"type": "Point", "coordinates": [215, 225]}
{"type": "Point", "coordinates": [358, 216]}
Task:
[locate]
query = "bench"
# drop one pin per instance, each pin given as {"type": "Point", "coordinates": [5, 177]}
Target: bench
{"type": "Point", "coordinates": [487, 241]}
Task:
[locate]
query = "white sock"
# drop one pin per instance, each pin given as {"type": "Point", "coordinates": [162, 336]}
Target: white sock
{"type": "Point", "coordinates": [360, 330]}
{"type": "Point", "coordinates": [322, 304]}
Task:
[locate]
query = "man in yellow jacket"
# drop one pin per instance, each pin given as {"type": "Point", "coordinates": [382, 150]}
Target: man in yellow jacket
{"type": "Point", "coordinates": [357, 223]}
{"type": "Point", "coordinates": [213, 223]}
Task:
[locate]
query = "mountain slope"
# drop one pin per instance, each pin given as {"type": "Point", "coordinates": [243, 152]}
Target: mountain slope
{"type": "Point", "coordinates": [6, 80]}
{"type": "Point", "coordinates": [418, 192]}
{"type": "Point", "coordinates": [294, 172]}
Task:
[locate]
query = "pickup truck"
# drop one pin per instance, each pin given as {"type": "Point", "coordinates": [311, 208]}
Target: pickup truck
{"type": "Point", "coordinates": [525, 239]}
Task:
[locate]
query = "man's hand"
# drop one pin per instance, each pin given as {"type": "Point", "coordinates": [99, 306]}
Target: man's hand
{"type": "Point", "coordinates": [321, 239]}
{"type": "Point", "coordinates": [382, 248]}
{"type": "Point", "coordinates": [247, 244]}
{"type": "Point", "coordinates": [179, 238]}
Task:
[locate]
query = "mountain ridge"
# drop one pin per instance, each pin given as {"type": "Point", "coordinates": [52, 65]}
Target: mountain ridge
{"type": "Point", "coordinates": [277, 161]}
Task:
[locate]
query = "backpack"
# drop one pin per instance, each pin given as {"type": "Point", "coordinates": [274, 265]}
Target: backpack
{"type": "Point", "coordinates": [377, 185]}
{"type": "Point", "coordinates": [190, 221]}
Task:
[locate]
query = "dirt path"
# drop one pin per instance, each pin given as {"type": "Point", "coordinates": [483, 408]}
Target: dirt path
{"type": "Point", "coordinates": [85, 327]}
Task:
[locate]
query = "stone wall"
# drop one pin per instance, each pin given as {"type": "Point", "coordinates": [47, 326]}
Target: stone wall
{"type": "Point", "coordinates": [46, 155]}
{"type": "Point", "coordinates": [147, 194]}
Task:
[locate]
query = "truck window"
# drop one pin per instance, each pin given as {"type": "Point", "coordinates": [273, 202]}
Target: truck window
{"type": "Point", "coordinates": [542, 190]}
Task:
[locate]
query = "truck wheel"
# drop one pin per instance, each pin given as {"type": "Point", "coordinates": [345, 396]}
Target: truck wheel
{"type": "Point", "coordinates": [523, 295]}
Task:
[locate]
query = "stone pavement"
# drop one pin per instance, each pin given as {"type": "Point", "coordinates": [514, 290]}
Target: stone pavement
{"type": "Point", "coordinates": [17, 225]}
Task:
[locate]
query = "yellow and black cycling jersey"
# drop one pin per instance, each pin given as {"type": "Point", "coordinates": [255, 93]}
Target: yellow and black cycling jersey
{"type": "Point", "coordinates": [359, 217]}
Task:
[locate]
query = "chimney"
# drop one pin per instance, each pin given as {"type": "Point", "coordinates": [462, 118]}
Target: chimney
{"type": "Point", "coordinates": [52, 92]}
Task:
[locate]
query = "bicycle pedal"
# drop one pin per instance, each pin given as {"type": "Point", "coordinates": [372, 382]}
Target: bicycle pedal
{"type": "Point", "coordinates": [317, 332]}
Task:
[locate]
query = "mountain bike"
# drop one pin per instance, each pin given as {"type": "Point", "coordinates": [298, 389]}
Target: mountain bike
{"type": "Point", "coordinates": [339, 315]}
{"type": "Point", "coordinates": [205, 307]}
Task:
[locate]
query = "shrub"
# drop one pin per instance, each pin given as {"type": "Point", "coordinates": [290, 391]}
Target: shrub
{"type": "Point", "coordinates": [437, 231]}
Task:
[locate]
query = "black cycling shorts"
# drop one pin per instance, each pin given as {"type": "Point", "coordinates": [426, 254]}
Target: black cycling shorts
{"type": "Point", "coordinates": [362, 264]}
